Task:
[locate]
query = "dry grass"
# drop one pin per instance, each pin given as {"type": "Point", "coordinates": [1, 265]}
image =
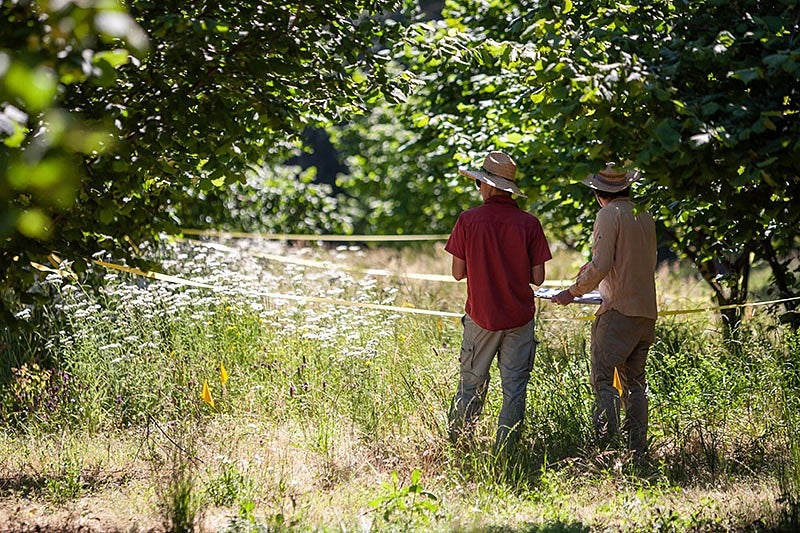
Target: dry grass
{"type": "Point", "coordinates": [291, 479]}
{"type": "Point", "coordinates": [279, 462]}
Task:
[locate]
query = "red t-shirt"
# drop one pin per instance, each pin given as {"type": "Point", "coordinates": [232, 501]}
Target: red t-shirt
{"type": "Point", "coordinates": [500, 244]}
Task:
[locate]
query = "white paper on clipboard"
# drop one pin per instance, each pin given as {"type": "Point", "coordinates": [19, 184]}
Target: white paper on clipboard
{"type": "Point", "coordinates": [588, 298]}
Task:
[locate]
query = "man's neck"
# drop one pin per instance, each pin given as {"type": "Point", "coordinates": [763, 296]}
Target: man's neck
{"type": "Point", "coordinates": [494, 192]}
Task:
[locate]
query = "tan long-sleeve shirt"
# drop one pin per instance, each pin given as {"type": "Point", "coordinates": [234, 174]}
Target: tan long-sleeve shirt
{"type": "Point", "coordinates": [623, 261]}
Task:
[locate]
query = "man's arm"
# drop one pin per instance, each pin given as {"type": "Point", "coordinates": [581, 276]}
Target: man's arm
{"type": "Point", "coordinates": [563, 298]}
{"type": "Point", "coordinates": [537, 274]}
{"type": "Point", "coordinates": [459, 268]}
{"type": "Point", "coordinates": [603, 250]}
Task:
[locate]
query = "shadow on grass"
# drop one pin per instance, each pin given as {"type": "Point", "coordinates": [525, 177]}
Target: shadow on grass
{"type": "Point", "coordinates": [60, 486]}
{"type": "Point", "coordinates": [550, 527]}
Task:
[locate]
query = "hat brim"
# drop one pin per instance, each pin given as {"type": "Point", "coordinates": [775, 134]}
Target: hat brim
{"type": "Point", "coordinates": [600, 183]}
{"type": "Point", "coordinates": [495, 181]}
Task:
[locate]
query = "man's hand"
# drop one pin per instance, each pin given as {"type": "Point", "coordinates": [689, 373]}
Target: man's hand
{"type": "Point", "coordinates": [563, 298]}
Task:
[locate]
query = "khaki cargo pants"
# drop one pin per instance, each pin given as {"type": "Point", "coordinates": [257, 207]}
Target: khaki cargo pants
{"type": "Point", "coordinates": [515, 350]}
{"type": "Point", "coordinates": [621, 342]}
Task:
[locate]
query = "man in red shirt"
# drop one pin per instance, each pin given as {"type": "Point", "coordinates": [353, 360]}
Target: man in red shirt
{"type": "Point", "coordinates": [501, 250]}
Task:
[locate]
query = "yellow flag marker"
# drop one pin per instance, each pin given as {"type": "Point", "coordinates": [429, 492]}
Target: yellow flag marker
{"type": "Point", "coordinates": [206, 395]}
{"type": "Point", "coordinates": [617, 384]}
{"type": "Point", "coordinates": [223, 374]}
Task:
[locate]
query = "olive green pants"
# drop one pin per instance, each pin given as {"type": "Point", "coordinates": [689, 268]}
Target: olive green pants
{"type": "Point", "coordinates": [621, 342]}
{"type": "Point", "coordinates": [515, 350]}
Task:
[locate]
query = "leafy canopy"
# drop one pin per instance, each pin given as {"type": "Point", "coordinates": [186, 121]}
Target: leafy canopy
{"type": "Point", "coordinates": [109, 113]}
{"type": "Point", "coordinates": [701, 96]}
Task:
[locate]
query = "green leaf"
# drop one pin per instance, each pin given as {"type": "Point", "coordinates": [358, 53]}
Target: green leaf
{"type": "Point", "coordinates": [115, 58]}
{"type": "Point", "coordinates": [681, 108]}
{"type": "Point", "coordinates": [17, 135]}
{"type": "Point", "coordinates": [710, 108]}
{"type": "Point", "coordinates": [420, 120]}
{"type": "Point", "coordinates": [34, 223]}
{"type": "Point", "coordinates": [107, 214]}
{"type": "Point", "coordinates": [559, 92]}
{"type": "Point", "coordinates": [667, 136]}
{"type": "Point", "coordinates": [766, 162]}
{"type": "Point", "coordinates": [513, 138]}
{"type": "Point", "coordinates": [746, 75]}
{"type": "Point", "coordinates": [35, 86]}
{"type": "Point", "coordinates": [726, 38]}
{"type": "Point", "coordinates": [44, 175]}
{"type": "Point", "coordinates": [376, 502]}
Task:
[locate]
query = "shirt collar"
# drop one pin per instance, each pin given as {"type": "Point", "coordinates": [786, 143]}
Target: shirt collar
{"type": "Point", "coordinates": [502, 200]}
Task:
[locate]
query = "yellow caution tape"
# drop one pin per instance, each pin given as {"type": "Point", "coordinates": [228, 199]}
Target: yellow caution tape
{"type": "Point", "coordinates": [730, 306]}
{"type": "Point", "coordinates": [327, 265]}
{"type": "Point", "coordinates": [273, 295]}
{"type": "Point", "coordinates": [705, 309]}
{"type": "Point", "coordinates": [304, 237]}
{"type": "Point", "coordinates": [156, 275]}
{"type": "Point", "coordinates": [60, 271]}
{"type": "Point", "coordinates": [400, 309]}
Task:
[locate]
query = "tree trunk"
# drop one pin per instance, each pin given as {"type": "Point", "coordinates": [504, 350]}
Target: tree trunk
{"type": "Point", "coordinates": [729, 279]}
{"type": "Point", "coordinates": [730, 294]}
{"type": "Point", "coordinates": [781, 275]}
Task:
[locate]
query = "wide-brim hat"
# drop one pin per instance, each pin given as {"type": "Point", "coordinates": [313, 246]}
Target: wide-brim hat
{"type": "Point", "coordinates": [498, 170]}
{"type": "Point", "coordinates": [611, 180]}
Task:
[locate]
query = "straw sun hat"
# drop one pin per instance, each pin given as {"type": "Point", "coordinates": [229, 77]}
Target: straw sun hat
{"type": "Point", "coordinates": [611, 180]}
{"type": "Point", "coordinates": [498, 170]}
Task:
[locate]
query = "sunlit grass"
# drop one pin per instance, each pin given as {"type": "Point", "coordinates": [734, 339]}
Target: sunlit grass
{"type": "Point", "coordinates": [329, 408]}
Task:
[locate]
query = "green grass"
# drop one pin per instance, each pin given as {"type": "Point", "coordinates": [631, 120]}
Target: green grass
{"type": "Point", "coordinates": [334, 417]}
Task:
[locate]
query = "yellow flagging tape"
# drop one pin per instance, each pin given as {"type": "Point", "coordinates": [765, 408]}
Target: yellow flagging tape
{"type": "Point", "coordinates": [304, 237]}
{"type": "Point", "coordinates": [276, 296]}
{"type": "Point", "coordinates": [731, 306]}
{"type": "Point", "coordinates": [327, 265]}
{"type": "Point", "coordinates": [705, 309]}
{"type": "Point", "coordinates": [156, 275]}
{"type": "Point", "coordinates": [61, 272]}
{"type": "Point", "coordinates": [401, 309]}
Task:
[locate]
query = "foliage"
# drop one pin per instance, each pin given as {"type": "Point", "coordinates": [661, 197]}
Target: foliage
{"type": "Point", "coordinates": [43, 51]}
{"type": "Point", "coordinates": [117, 124]}
{"type": "Point", "coordinates": [701, 96]}
{"type": "Point", "coordinates": [275, 199]}
{"type": "Point", "coordinates": [229, 486]}
{"type": "Point", "coordinates": [109, 116]}
{"type": "Point", "coordinates": [35, 392]}
{"type": "Point", "coordinates": [401, 190]}
{"type": "Point", "coordinates": [410, 505]}
{"type": "Point", "coordinates": [789, 470]}
{"type": "Point", "coordinates": [64, 484]}
{"type": "Point", "coordinates": [179, 502]}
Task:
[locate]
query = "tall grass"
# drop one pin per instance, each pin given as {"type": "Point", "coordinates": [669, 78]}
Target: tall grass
{"type": "Point", "coordinates": [334, 416]}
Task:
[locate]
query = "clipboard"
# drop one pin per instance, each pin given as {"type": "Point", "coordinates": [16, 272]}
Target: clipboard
{"type": "Point", "coordinates": [588, 298]}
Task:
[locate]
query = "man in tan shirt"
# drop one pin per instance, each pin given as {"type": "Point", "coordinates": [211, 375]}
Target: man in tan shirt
{"type": "Point", "coordinates": [623, 269]}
